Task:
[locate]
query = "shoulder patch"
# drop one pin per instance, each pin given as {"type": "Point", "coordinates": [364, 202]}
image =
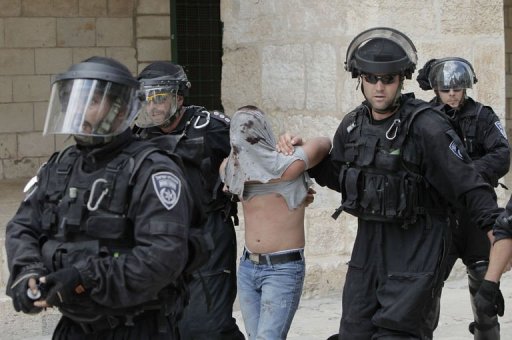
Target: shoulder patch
{"type": "Point", "coordinates": [167, 187]}
{"type": "Point", "coordinates": [501, 129]}
{"type": "Point", "coordinates": [455, 149]}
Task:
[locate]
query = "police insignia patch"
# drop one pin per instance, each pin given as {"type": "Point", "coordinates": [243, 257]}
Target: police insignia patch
{"type": "Point", "coordinates": [501, 129]}
{"type": "Point", "coordinates": [167, 187]}
{"type": "Point", "coordinates": [455, 149]}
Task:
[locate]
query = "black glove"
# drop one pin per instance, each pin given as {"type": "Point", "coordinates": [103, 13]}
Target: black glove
{"type": "Point", "coordinates": [22, 298]}
{"type": "Point", "coordinates": [63, 286]}
{"type": "Point", "coordinates": [489, 299]}
{"type": "Point", "coordinates": [503, 222]}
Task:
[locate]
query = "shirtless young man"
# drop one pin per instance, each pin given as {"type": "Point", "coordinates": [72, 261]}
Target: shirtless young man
{"type": "Point", "coordinates": [272, 188]}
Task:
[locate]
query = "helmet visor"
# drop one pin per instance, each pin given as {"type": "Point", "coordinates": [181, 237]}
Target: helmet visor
{"type": "Point", "coordinates": [451, 74]}
{"type": "Point", "coordinates": [90, 107]}
{"type": "Point", "coordinates": [160, 104]}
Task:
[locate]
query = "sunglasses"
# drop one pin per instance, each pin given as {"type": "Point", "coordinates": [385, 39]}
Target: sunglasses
{"type": "Point", "coordinates": [385, 79]}
{"type": "Point", "coordinates": [157, 96]}
{"type": "Point", "coordinates": [448, 90]}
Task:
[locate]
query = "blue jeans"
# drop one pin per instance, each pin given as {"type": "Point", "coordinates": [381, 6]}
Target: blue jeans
{"type": "Point", "coordinates": [269, 296]}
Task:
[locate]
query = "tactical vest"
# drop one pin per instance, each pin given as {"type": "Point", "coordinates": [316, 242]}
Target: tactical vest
{"type": "Point", "coordinates": [191, 132]}
{"type": "Point", "coordinates": [376, 182]}
{"type": "Point", "coordinates": [468, 123]}
{"type": "Point", "coordinates": [85, 214]}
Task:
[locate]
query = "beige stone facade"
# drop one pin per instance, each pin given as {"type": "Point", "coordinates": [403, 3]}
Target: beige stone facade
{"type": "Point", "coordinates": [285, 56]}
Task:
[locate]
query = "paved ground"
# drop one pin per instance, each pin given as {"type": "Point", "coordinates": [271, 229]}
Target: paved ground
{"type": "Point", "coordinates": [318, 318]}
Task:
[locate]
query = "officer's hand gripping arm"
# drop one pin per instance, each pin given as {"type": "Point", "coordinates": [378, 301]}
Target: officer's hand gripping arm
{"type": "Point", "coordinates": [489, 299]}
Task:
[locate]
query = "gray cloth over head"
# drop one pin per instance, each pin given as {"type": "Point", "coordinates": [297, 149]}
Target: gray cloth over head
{"type": "Point", "coordinates": [253, 156]}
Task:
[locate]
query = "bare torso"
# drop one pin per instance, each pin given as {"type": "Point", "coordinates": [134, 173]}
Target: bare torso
{"type": "Point", "coordinates": [270, 226]}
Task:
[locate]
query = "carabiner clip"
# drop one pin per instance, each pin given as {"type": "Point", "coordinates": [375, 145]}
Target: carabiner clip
{"type": "Point", "coordinates": [196, 126]}
{"type": "Point", "coordinates": [94, 207]}
{"type": "Point", "coordinates": [393, 129]}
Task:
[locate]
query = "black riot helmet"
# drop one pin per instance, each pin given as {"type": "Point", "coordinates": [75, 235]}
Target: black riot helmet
{"type": "Point", "coordinates": [381, 50]}
{"type": "Point", "coordinates": [93, 100]}
{"type": "Point", "coordinates": [162, 82]}
{"type": "Point", "coordinates": [451, 73]}
{"type": "Point", "coordinates": [165, 74]}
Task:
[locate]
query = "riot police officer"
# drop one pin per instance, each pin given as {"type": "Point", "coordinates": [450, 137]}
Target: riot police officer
{"type": "Point", "coordinates": [204, 137]}
{"type": "Point", "coordinates": [396, 162]}
{"type": "Point", "coordinates": [486, 143]}
{"type": "Point", "coordinates": [102, 234]}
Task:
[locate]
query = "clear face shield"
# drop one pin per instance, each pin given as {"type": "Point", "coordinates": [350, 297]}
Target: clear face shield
{"type": "Point", "coordinates": [451, 74]}
{"type": "Point", "coordinates": [159, 107]}
{"type": "Point", "coordinates": [90, 108]}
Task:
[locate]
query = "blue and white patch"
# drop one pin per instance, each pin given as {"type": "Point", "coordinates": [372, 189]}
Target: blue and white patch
{"type": "Point", "coordinates": [456, 151]}
{"type": "Point", "coordinates": [167, 187]}
{"type": "Point", "coordinates": [501, 129]}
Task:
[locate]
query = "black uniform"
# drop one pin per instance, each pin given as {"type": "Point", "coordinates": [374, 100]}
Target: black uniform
{"type": "Point", "coordinates": [120, 214]}
{"type": "Point", "coordinates": [485, 141]}
{"type": "Point", "coordinates": [213, 288]}
{"type": "Point", "coordinates": [396, 175]}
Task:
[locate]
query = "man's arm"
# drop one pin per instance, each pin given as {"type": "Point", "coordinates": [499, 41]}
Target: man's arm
{"type": "Point", "coordinates": [315, 149]}
{"type": "Point", "coordinates": [500, 257]}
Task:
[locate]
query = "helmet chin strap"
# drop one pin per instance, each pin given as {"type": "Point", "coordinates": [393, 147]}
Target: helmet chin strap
{"type": "Point", "coordinates": [168, 122]}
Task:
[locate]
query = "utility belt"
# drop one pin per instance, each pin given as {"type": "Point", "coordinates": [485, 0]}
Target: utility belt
{"type": "Point", "coordinates": [274, 258]}
{"type": "Point", "coordinates": [113, 321]}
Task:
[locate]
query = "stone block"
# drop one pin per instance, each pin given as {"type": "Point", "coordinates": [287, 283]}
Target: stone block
{"type": "Point", "coordinates": [152, 26]}
{"type": "Point", "coordinates": [153, 7]}
{"type": "Point", "coordinates": [74, 32]}
{"type": "Point", "coordinates": [114, 32]}
{"type": "Point", "coordinates": [82, 53]}
{"type": "Point", "coordinates": [30, 32]}
{"type": "Point", "coordinates": [16, 61]}
{"type": "Point", "coordinates": [30, 88]}
{"type": "Point", "coordinates": [5, 89]}
{"type": "Point", "coordinates": [50, 8]}
{"type": "Point", "coordinates": [153, 49]}
{"type": "Point", "coordinates": [324, 275]}
{"type": "Point", "coordinates": [34, 144]}
{"type": "Point", "coordinates": [53, 60]}
{"type": "Point", "coordinates": [121, 8]}
{"type": "Point", "coordinates": [125, 55]}
{"type": "Point", "coordinates": [319, 83]}
{"type": "Point", "coordinates": [2, 38]}
{"type": "Point", "coordinates": [19, 168]}
{"type": "Point", "coordinates": [10, 8]}
{"type": "Point", "coordinates": [40, 109]}
{"type": "Point", "coordinates": [92, 8]}
{"type": "Point", "coordinates": [241, 78]}
{"type": "Point", "coordinates": [8, 146]}
{"type": "Point", "coordinates": [16, 117]}
{"type": "Point", "coordinates": [283, 84]}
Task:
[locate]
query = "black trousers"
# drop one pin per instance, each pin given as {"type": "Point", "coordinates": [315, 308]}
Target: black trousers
{"type": "Point", "coordinates": [469, 243]}
{"type": "Point", "coordinates": [393, 276]}
{"type": "Point", "coordinates": [146, 327]}
{"type": "Point", "coordinates": [213, 289]}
